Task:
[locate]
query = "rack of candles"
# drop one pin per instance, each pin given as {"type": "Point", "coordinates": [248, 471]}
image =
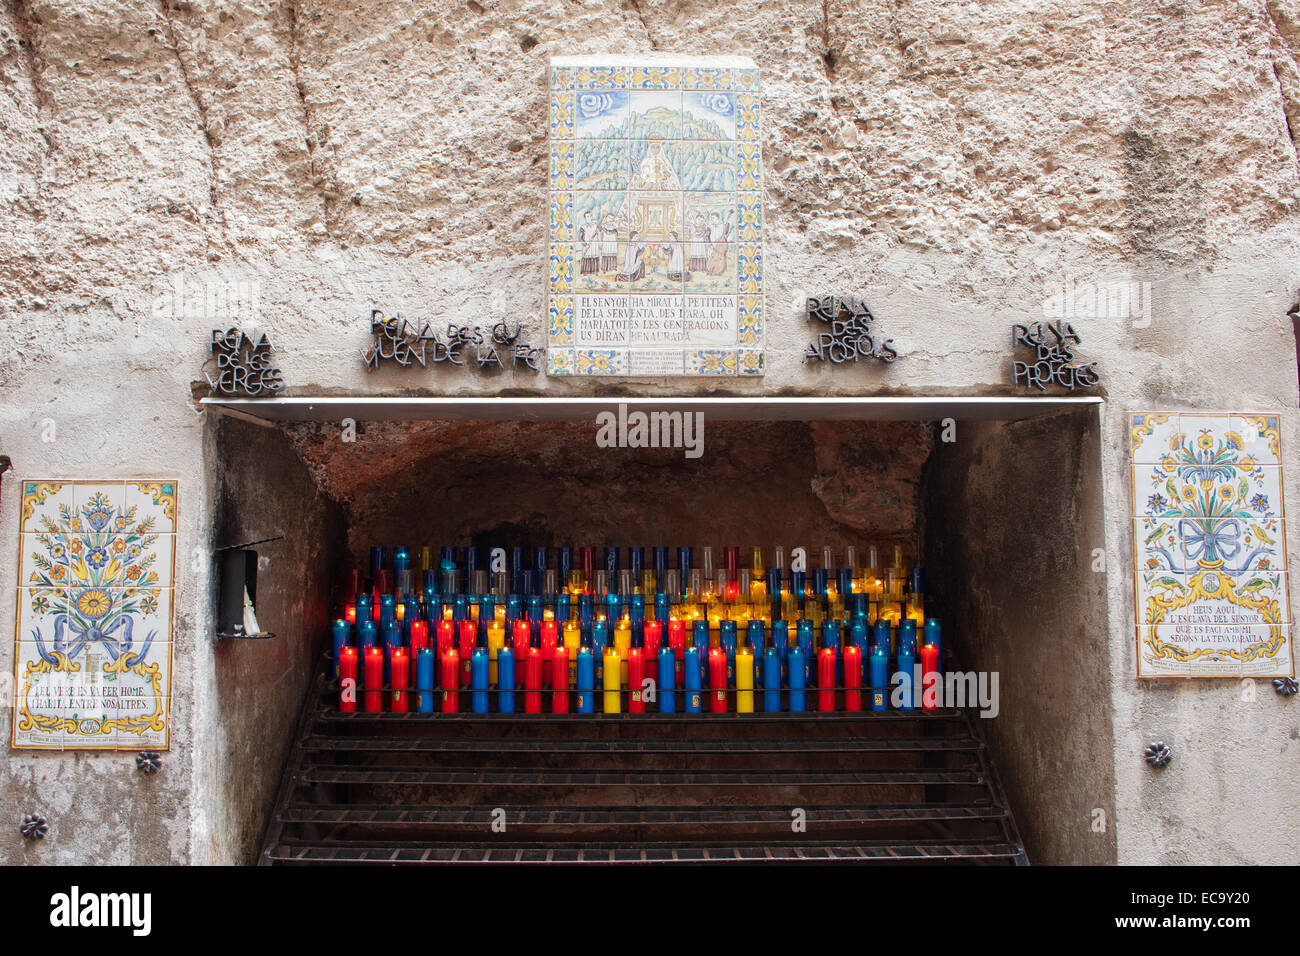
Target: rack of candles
{"type": "Point", "coordinates": [456, 636]}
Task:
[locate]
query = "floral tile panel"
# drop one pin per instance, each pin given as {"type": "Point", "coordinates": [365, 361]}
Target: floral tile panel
{"type": "Point", "coordinates": [93, 652]}
{"type": "Point", "coordinates": [1211, 581]}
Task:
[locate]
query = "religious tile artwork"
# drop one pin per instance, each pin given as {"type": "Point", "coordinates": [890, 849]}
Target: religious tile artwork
{"type": "Point", "coordinates": [656, 251]}
{"type": "Point", "coordinates": [1209, 536]}
{"type": "Point", "coordinates": [93, 654]}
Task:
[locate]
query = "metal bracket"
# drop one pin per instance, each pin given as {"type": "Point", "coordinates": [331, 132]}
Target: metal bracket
{"type": "Point", "coordinates": [248, 544]}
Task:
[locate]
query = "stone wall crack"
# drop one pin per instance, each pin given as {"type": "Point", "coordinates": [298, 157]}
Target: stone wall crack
{"type": "Point", "coordinates": [1286, 115]}
{"type": "Point", "coordinates": [328, 193]}
{"type": "Point", "coordinates": [1290, 100]}
{"type": "Point", "coordinates": [27, 43]}
{"type": "Point", "coordinates": [170, 26]}
{"type": "Point", "coordinates": [640, 15]}
{"type": "Point", "coordinates": [827, 51]}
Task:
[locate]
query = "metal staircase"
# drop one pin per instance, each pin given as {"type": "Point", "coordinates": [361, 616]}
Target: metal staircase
{"type": "Point", "coordinates": [890, 787]}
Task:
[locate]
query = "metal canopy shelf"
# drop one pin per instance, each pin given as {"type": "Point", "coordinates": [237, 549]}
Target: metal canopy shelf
{"type": "Point", "coordinates": [548, 408]}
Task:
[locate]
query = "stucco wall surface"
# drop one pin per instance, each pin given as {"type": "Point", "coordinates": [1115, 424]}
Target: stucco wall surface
{"type": "Point", "coordinates": [168, 168]}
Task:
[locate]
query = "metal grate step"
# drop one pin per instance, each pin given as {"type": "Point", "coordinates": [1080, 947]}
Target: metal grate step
{"type": "Point", "coordinates": [330, 713]}
{"type": "Point", "coordinates": [610, 778]}
{"type": "Point", "coordinates": [479, 817]}
{"type": "Point", "coordinates": [486, 853]}
{"type": "Point", "coordinates": [904, 787]}
{"type": "Point", "coordinates": [720, 745]}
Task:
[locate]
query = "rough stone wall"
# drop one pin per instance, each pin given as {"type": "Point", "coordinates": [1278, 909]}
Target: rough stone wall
{"type": "Point", "coordinates": [953, 163]}
{"type": "Point", "coordinates": [1019, 502]}
{"type": "Point", "coordinates": [788, 483]}
{"type": "Point", "coordinates": [255, 689]}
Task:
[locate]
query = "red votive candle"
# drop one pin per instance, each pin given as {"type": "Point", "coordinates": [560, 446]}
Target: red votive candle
{"type": "Point", "coordinates": [419, 641]}
{"type": "Point", "coordinates": [852, 677]}
{"type": "Point", "coordinates": [419, 635]}
{"type": "Point", "coordinates": [522, 641]}
{"type": "Point", "coordinates": [654, 631]}
{"type": "Point", "coordinates": [350, 612]}
{"type": "Point", "coordinates": [533, 681]}
{"type": "Point", "coordinates": [826, 679]}
{"type": "Point", "coordinates": [929, 677]}
{"type": "Point", "coordinates": [560, 680]}
{"type": "Point", "coordinates": [446, 636]}
{"type": "Point", "coordinates": [450, 681]}
{"type": "Point", "coordinates": [550, 640]}
{"type": "Point", "coordinates": [401, 673]}
{"type": "Point", "coordinates": [731, 562]}
{"type": "Point", "coordinates": [468, 638]}
{"type": "Point", "coordinates": [374, 680]}
{"type": "Point", "coordinates": [717, 680]}
{"type": "Point", "coordinates": [677, 641]}
{"type": "Point", "coordinates": [635, 677]}
{"type": "Point", "coordinates": [348, 679]}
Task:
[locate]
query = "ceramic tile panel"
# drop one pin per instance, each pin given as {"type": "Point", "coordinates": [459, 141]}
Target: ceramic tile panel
{"type": "Point", "coordinates": [600, 165]}
{"type": "Point", "coordinates": [93, 650]}
{"type": "Point", "coordinates": [714, 362]}
{"type": "Point", "coordinates": [1260, 436]}
{"type": "Point", "coordinates": [751, 322]}
{"type": "Point", "coordinates": [104, 494]}
{"type": "Point", "coordinates": [600, 361]}
{"type": "Point", "coordinates": [562, 216]}
{"type": "Point", "coordinates": [1211, 583]}
{"type": "Point", "coordinates": [563, 115]}
{"type": "Point", "coordinates": [561, 361]}
{"type": "Point", "coordinates": [563, 165]}
{"type": "Point", "coordinates": [655, 217]}
{"type": "Point", "coordinates": [561, 319]}
{"type": "Point", "coordinates": [562, 269]}
{"type": "Point", "coordinates": [709, 115]}
{"type": "Point", "coordinates": [1152, 435]}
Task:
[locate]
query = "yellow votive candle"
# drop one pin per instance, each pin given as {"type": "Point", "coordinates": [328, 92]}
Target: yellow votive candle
{"type": "Point", "coordinates": [572, 640]}
{"type": "Point", "coordinates": [744, 680]}
{"type": "Point", "coordinates": [612, 682]}
{"type": "Point", "coordinates": [496, 633]}
{"type": "Point", "coordinates": [623, 644]}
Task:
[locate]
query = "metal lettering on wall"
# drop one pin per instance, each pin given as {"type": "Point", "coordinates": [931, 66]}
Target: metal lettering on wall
{"type": "Point", "coordinates": [399, 341]}
{"type": "Point", "coordinates": [1053, 362]}
{"type": "Point", "coordinates": [243, 365]}
{"type": "Point", "coordinates": [849, 338]}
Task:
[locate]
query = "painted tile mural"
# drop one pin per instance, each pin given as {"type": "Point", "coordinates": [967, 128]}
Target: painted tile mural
{"type": "Point", "coordinates": [656, 264]}
{"type": "Point", "coordinates": [92, 662]}
{"type": "Point", "coordinates": [1211, 582]}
